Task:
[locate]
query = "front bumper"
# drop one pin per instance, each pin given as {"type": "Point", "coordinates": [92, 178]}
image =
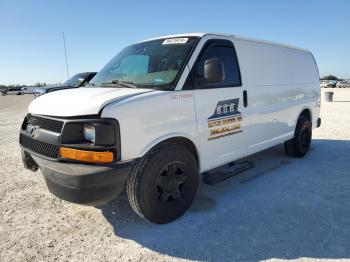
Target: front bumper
{"type": "Point", "coordinates": [82, 183]}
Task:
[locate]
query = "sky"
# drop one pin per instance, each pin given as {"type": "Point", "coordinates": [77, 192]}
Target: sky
{"type": "Point", "coordinates": [31, 45]}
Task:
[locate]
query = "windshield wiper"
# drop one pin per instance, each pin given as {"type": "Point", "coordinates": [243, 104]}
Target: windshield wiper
{"type": "Point", "coordinates": [120, 83]}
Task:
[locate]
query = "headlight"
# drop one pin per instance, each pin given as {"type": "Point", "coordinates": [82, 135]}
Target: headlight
{"type": "Point", "coordinates": [89, 132]}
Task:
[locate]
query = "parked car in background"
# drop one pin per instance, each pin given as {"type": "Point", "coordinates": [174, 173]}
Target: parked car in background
{"type": "Point", "coordinates": [27, 90]}
{"type": "Point", "coordinates": [76, 81]}
{"type": "Point", "coordinates": [12, 91]}
{"type": "Point", "coordinates": [3, 91]}
{"type": "Point", "coordinates": [343, 84]}
{"type": "Point", "coordinates": [331, 83]}
{"type": "Point", "coordinates": [323, 83]}
{"type": "Point", "coordinates": [328, 83]}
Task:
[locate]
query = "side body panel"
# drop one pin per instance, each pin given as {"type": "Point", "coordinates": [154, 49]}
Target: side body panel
{"type": "Point", "coordinates": [281, 82]}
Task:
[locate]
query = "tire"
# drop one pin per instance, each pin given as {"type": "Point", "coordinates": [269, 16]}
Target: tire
{"type": "Point", "coordinates": [163, 183]}
{"type": "Point", "coordinates": [299, 145]}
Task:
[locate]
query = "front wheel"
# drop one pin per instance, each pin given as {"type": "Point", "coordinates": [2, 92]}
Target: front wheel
{"type": "Point", "coordinates": [163, 183]}
{"type": "Point", "coordinates": [299, 145]}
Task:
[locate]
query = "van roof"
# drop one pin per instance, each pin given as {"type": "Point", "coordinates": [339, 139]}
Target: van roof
{"type": "Point", "coordinates": [229, 35]}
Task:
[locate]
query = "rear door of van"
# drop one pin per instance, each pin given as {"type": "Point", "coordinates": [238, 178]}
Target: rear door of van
{"type": "Point", "coordinates": [223, 123]}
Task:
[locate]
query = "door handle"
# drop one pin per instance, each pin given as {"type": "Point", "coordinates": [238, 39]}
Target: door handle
{"type": "Point", "coordinates": [245, 98]}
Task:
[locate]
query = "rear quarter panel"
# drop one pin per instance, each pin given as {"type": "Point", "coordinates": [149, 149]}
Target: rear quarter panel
{"type": "Point", "coordinates": [281, 82]}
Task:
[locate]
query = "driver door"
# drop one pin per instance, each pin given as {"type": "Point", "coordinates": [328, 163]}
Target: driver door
{"type": "Point", "coordinates": [222, 116]}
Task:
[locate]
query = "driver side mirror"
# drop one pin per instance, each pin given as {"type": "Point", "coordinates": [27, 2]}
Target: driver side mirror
{"type": "Point", "coordinates": [214, 71]}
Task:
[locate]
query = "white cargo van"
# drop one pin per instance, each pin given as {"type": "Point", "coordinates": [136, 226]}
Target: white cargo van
{"type": "Point", "coordinates": [165, 110]}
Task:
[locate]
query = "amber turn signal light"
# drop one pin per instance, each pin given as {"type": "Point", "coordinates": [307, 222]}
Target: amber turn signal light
{"type": "Point", "coordinates": [86, 156]}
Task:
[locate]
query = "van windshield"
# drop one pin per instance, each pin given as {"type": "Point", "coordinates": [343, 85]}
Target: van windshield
{"type": "Point", "coordinates": [152, 64]}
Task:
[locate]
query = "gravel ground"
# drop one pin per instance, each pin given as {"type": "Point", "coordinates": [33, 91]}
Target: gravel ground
{"type": "Point", "coordinates": [284, 208]}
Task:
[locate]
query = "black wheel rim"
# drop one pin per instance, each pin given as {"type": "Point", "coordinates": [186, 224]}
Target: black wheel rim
{"type": "Point", "coordinates": [172, 183]}
{"type": "Point", "coordinates": [305, 138]}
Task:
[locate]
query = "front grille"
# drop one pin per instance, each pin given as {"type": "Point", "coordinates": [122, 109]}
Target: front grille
{"type": "Point", "coordinates": [39, 147]}
{"type": "Point", "coordinates": [46, 123]}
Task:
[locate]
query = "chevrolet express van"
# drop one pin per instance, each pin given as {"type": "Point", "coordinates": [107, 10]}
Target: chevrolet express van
{"type": "Point", "coordinates": [165, 110]}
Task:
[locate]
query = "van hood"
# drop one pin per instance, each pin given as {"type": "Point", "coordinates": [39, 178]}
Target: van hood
{"type": "Point", "coordinates": [80, 101]}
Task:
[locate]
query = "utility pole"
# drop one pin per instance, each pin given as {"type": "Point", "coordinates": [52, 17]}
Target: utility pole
{"type": "Point", "coordinates": [65, 54]}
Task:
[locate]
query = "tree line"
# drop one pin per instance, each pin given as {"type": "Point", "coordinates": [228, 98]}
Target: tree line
{"type": "Point", "coordinates": [330, 77]}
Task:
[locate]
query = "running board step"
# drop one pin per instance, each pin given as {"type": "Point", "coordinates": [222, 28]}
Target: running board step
{"type": "Point", "coordinates": [221, 173]}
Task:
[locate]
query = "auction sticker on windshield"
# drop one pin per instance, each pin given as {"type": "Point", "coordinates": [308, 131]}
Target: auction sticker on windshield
{"type": "Point", "coordinates": [172, 41]}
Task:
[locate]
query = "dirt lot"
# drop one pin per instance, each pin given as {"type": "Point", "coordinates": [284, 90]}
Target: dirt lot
{"type": "Point", "coordinates": [284, 208]}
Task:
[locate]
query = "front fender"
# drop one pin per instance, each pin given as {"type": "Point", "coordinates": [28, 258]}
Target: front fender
{"type": "Point", "coordinates": [151, 118]}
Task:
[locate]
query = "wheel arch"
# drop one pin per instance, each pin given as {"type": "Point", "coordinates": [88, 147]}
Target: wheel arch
{"type": "Point", "coordinates": [306, 112]}
{"type": "Point", "coordinates": [176, 139]}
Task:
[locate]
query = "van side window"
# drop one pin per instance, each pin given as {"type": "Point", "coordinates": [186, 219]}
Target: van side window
{"type": "Point", "coordinates": [228, 56]}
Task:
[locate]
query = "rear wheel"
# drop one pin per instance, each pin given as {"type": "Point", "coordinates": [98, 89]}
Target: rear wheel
{"type": "Point", "coordinates": [163, 183]}
{"type": "Point", "coordinates": [299, 145]}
